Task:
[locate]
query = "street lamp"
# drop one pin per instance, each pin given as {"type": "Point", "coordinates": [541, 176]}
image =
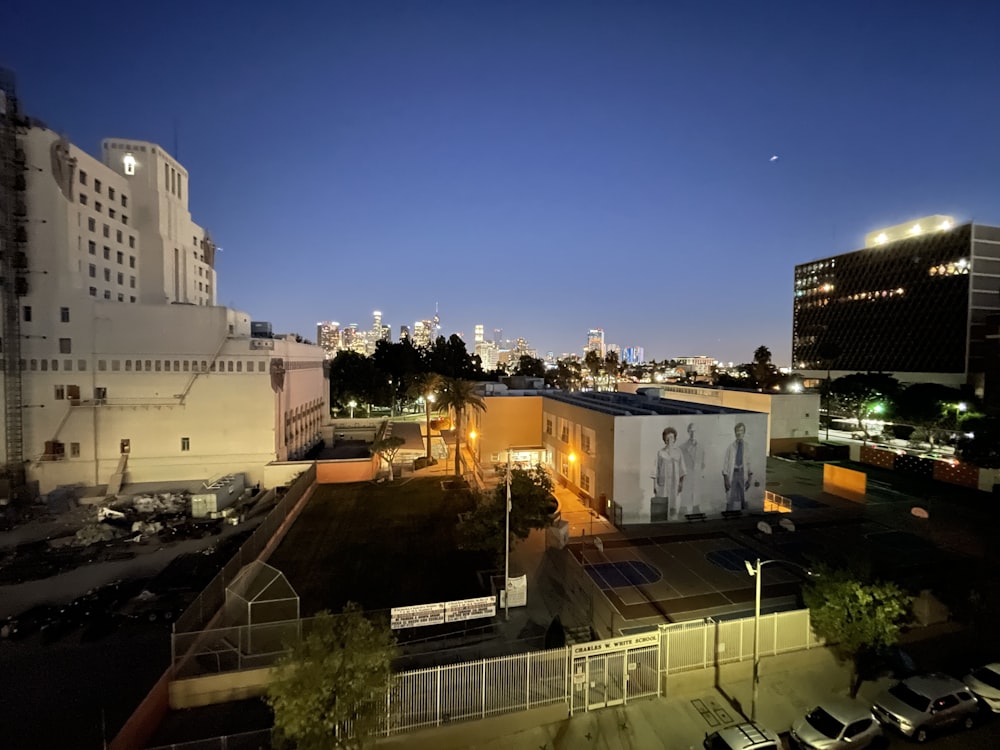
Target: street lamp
{"type": "Point", "coordinates": [506, 548]}
{"type": "Point", "coordinates": [754, 571]}
{"type": "Point", "coordinates": [352, 404]}
{"type": "Point", "coordinates": [428, 400]}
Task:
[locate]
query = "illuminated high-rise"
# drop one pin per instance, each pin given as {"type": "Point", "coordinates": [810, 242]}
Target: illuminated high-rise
{"type": "Point", "coordinates": [915, 301]}
{"type": "Point", "coordinates": [328, 337]}
{"type": "Point", "coordinates": [595, 341]}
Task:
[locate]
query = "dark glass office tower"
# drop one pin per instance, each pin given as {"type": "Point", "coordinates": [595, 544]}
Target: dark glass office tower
{"type": "Point", "coordinates": [915, 305]}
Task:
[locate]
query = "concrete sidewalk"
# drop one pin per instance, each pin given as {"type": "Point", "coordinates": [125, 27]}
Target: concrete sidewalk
{"type": "Point", "coordinates": [790, 685]}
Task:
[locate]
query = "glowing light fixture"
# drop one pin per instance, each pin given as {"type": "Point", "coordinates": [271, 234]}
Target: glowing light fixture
{"type": "Point", "coordinates": [128, 163]}
{"type": "Point", "coordinates": [944, 225]}
{"type": "Point", "coordinates": [881, 239]}
{"type": "Point", "coordinates": [915, 229]}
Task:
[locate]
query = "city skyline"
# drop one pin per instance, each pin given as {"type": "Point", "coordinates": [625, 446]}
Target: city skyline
{"type": "Point", "coordinates": [550, 167]}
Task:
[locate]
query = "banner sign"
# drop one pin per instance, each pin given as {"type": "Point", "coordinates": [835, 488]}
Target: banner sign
{"type": "Point", "coordinates": [416, 616]}
{"type": "Point", "coordinates": [420, 615]}
{"type": "Point", "coordinates": [470, 609]}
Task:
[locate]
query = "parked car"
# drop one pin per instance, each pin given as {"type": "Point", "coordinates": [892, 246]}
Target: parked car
{"type": "Point", "coordinates": [984, 682]}
{"type": "Point", "coordinates": [920, 705]}
{"type": "Point", "coordinates": [747, 736]}
{"type": "Point", "coordinates": [836, 724]}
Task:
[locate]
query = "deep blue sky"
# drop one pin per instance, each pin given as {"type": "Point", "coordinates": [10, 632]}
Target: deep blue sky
{"type": "Point", "coordinates": [539, 167]}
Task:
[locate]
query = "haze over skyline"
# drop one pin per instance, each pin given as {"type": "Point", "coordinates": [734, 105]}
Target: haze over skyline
{"type": "Point", "coordinates": [543, 168]}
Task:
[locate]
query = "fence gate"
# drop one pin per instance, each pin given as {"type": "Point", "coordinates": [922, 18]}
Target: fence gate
{"type": "Point", "coordinates": [612, 672]}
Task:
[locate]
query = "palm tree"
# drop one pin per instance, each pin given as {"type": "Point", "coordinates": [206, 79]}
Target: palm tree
{"type": "Point", "coordinates": [456, 396]}
{"type": "Point", "coordinates": [424, 387]}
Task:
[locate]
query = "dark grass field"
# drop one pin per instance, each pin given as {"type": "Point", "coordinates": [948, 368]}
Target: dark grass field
{"type": "Point", "coordinates": [382, 546]}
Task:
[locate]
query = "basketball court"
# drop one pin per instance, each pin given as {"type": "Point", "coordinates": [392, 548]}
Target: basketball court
{"type": "Point", "coordinates": [680, 577]}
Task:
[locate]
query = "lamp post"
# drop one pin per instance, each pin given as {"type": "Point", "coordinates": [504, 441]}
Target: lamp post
{"type": "Point", "coordinates": [506, 547]}
{"type": "Point", "coordinates": [428, 400]}
{"type": "Point", "coordinates": [352, 404]}
{"type": "Point", "coordinates": [754, 571]}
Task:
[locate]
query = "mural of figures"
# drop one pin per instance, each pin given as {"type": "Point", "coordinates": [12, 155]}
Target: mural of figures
{"type": "Point", "coordinates": [694, 460]}
{"type": "Point", "coordinates": [737, 470]}
{"type": "Point", "coordinates": [668, 479]}
{"type": "Point", "coordinates": [718, 465]}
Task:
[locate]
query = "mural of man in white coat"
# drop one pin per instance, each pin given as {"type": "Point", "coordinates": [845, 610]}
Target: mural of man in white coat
{"type": "Point", "coordinates": [737, 470]}
{"type": "Point", "coordinates": [668, 479]}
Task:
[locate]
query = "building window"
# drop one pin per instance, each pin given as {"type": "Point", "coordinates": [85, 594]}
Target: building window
{"type": "Point", "coordinates": [131, 281]}
{"type": "Point", "coordinates": [27, 314]}
{"type": "Point", "coordinates": [107, 274]}
{"type": "Point", "coordinates": [65, 346]}
{"type": "Point", "coordinates": [98, 206]}
{"type": "Point", "coordinates": [107, 294]}
{"type": "Point", "coordinates": [83, 199]}
{"type": "Point", "coordinates": [186, 365]}
{"type": "Point", "coordinates": [97, 186]}
{"type": "Point", "coordinates": [260, 366]}
{"type": "Point", "coordinates": [92, 247]}
{"type": "Point", "coordinates": [185, 444]}
{"type": "Point", "coordinates": [166, 365]}
{"type": "Point", "coordinates": [116, 365]}
{"type": "Point", "coordinates": [564, 433]}
{"type": "Point", "coordinates": [111, 213]}
{"type": "Point", "coordinates": [93, 291]}
{"type": "Point", "coordinates": [548, 426]}
{"type": "Point", "coordinates": [131, 299]}
{"type": "Point", "coordinates": [111, 192]}
{"type": "Point", "coordinates": [74, 450]}
{"type": "Point", "coordinates": [124, 219]}
{"type": "Point", "coordinates": [120, 257]}
{"type": "Point", "coordinates": [92, 224]}
{"type": "Point", "coordinates": [68, 365]}
{"type": "Point", "coordinates": [121, 297]}
{"type": "Point", "coordinates": [149, 365]}
{"type": "Point", "coordinates": [83, 177]}
{"type": "Point", "coordinates": [121, 278]}
{"type": "Point", "coordinates": [107, 231]}
{"type": "Point", "coordinates": [118, 236]}
{"type": "Point", "coordinates": [81, 365]}
{"type": "Point", "coordinates": [124, 201]}
{"type": "Point", "coordinates": [102, 365]}
{"type": "Point", "coordinates": [128, 365]}
{"type": "Point", "coordinates": [107, 253]}
{"type": "Point", "coordinates": [131, 243]}
{"type": "Point", "coordinates": [60, 392]}
{"type": "Point", "coordinates": [64, 314]}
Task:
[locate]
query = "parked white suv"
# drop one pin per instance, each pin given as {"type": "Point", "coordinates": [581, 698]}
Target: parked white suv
{"type": "Point", "coordinates": [985, 683]}
{"type": "Point", "coordinates": [837, 724]}
{"type": "Point", "coordinates": [743, 737]}
{"type": "Point", "coordinates": [922, 704]}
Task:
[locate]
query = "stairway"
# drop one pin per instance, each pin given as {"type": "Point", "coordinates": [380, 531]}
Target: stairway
{"type": "Point", "coordinates": [115, 483]}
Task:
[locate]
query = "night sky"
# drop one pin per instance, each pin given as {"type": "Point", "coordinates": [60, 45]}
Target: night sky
{"type": "Point", "coordinates": [539, 167]}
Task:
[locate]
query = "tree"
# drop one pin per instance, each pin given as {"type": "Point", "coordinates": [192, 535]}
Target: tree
{"type": "Point", "coordinates": [329, 690]}
{"type": "Point", "coordinates": [594, 364]}
{"type": "Point", "coordinates": [862, 394]}
{"type": "Point", "coordinates": [860, 620]}
{"type": "Point", "coordinates": [532, 505]}
{"type": "Point", "coordinates": [354, 377]}
{"type": "Point", "coordinates": [456, 396]}
{"type": "Point", "coordinates": [761, 369]}
{"type": "Point", "coordinates": [450, 359]}
{"type": "Point", "coordinates": [423, 389]}
{"type": "Point", "coordinates": [567, 376]}
{"type": "Point", "coordinates": [980, 442]}
{"type": "Point", "coordinates": [530, 366]}
{"type": "Point", "coordinates": [611, 370]}
{"type": "Point", "coordinates": [930, 406]}
{"type": "Point", "coordinates": [401, 364]}
{"type": "Point", "coordinates": [387, 448]}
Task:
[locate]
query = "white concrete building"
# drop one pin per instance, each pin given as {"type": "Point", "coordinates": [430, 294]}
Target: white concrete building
{"type": "Point", "coordinates": [128, 370]}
